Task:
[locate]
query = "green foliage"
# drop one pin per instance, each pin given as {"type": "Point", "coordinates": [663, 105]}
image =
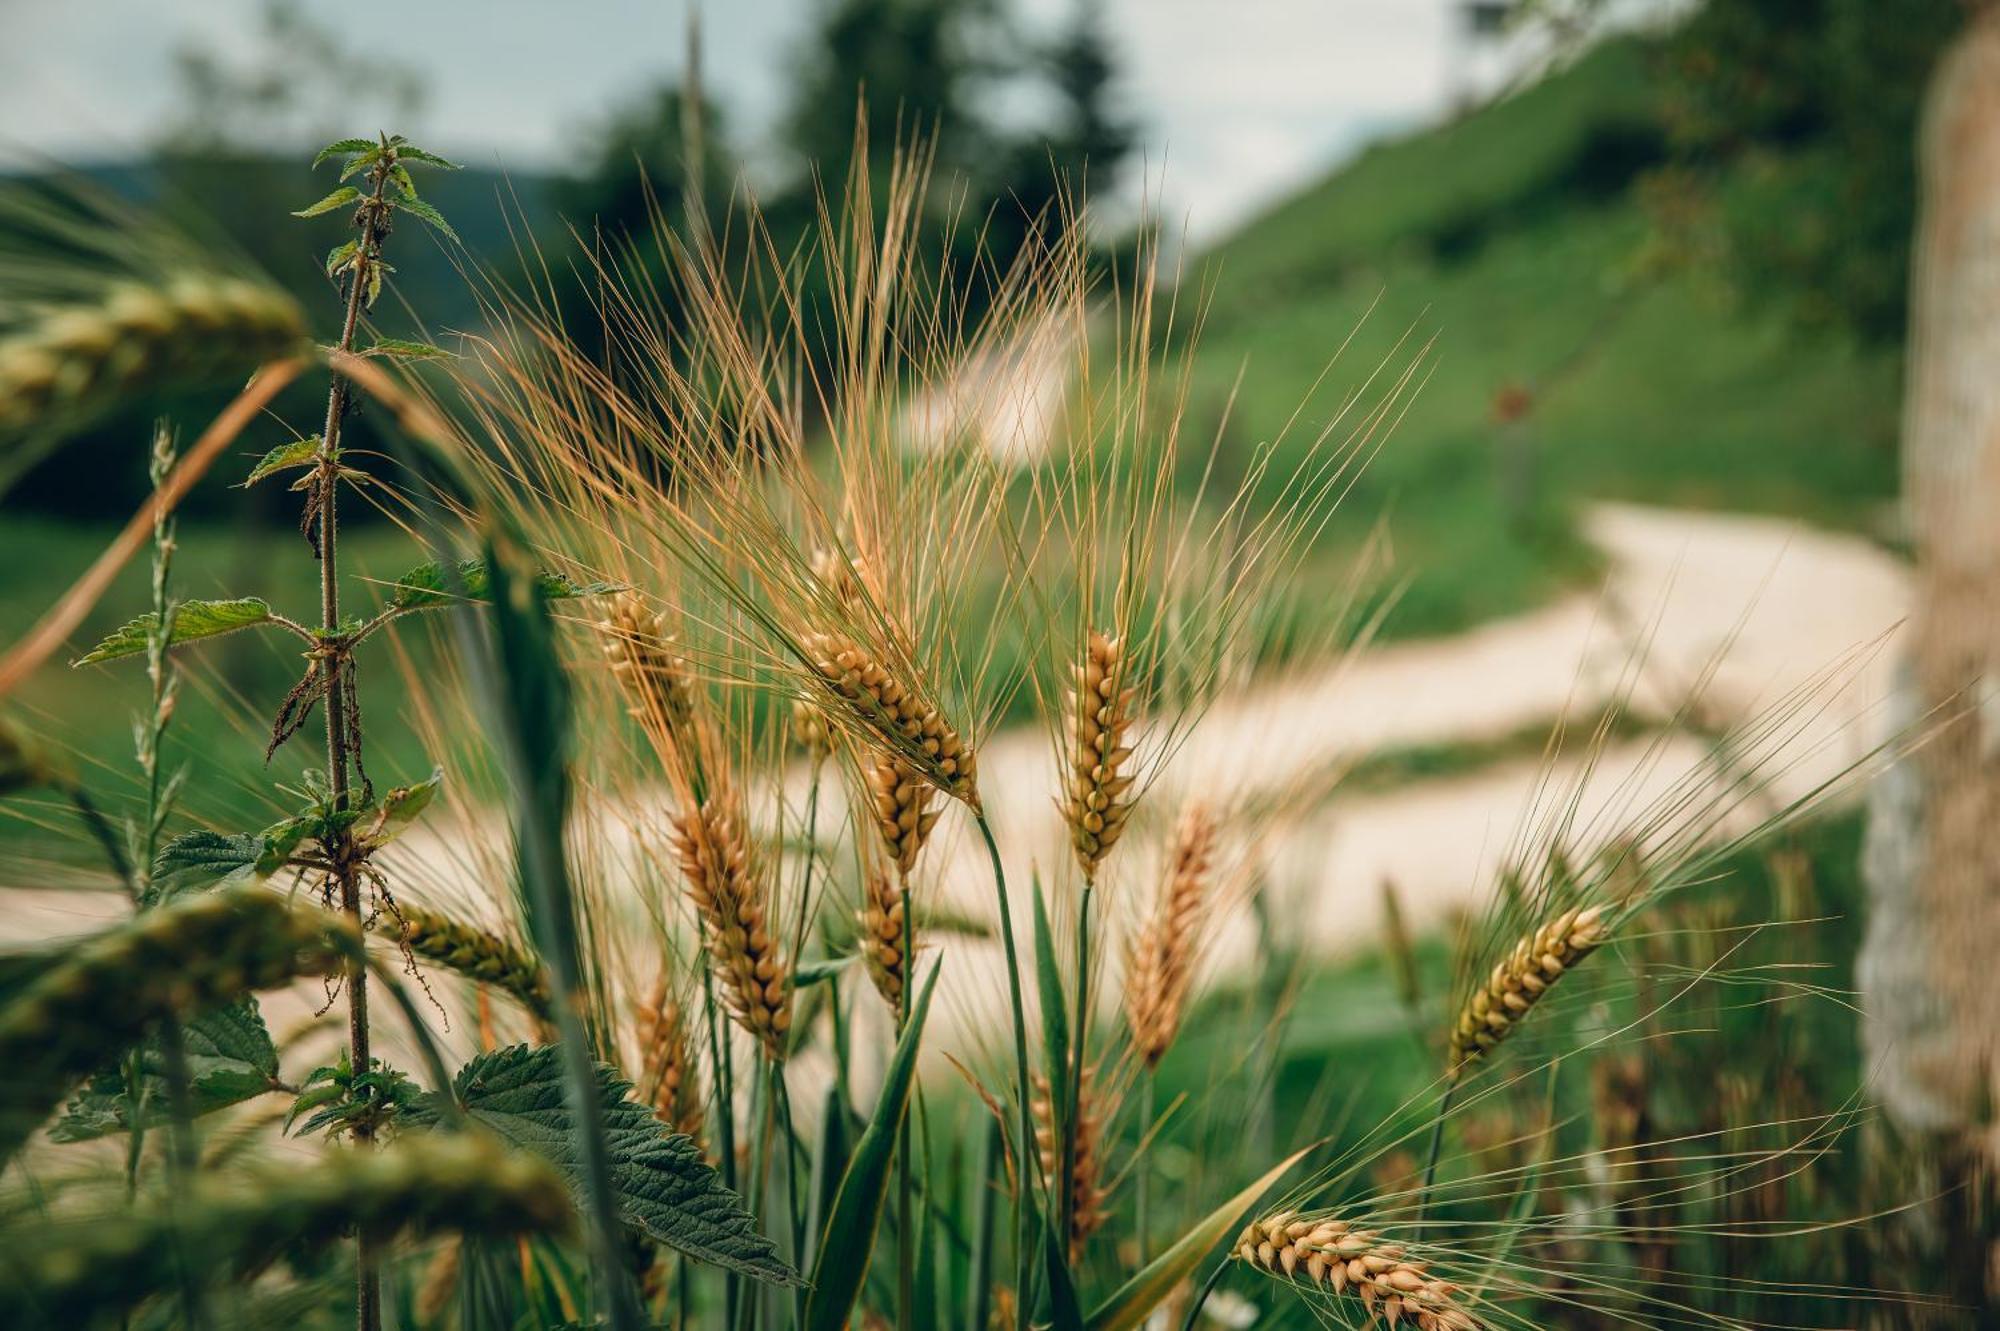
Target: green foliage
{"type": "Point", "coordinates": [180, 959]}
{"type": "Point", "coordinates": [416, 207]}
{"type": "Point", "coordinates": [298, 453]}
{"type": "Point", "coordinates": [662, 1186]}
{"type": "Point", "coordinates": [849, 1235]}
{"type": "Point", "coordinates": [78, 1270]}
{"type": "Point", "coordinates": [193, 621]}
{"type": "Point", "coordinates": [230, 1059]}
{"type": "Point", "coordinates": [339, 198]}
{"type": "Point", "coordinates": [337, 1101]}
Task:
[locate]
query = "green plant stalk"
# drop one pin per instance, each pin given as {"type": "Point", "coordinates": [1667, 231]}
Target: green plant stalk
{"type": "Point", "coordinates": [1142, 1170]}
{"type": "Point", "coordinates": [1437, 1145]}
{"type": "Point", "coordinates": [368, 1289]}
{"type": "Point", "coordinates": [992, 1150]}
{"type": "Point", "coordinates": [1025, 1244]}
{"type": "Point", "coordinates": [1073, 1093]}
{"type": "Point", "coordinates": [725, 1117]}
{"type": "Point", "coordinates": [906, 1238]}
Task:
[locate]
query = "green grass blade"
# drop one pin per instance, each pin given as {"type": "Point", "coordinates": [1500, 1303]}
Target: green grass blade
{"type": "Point", "coordinates": [1133, 1303]}
{"type": "Point", "coordinates": [842, 1263]}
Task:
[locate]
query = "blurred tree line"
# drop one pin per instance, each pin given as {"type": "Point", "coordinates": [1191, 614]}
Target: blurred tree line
{"type": "Point", "coordinates": [940, 71]}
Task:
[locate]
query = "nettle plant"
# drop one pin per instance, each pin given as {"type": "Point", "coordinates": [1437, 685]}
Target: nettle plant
{"type": "Point", "coordinates": [177, 984]}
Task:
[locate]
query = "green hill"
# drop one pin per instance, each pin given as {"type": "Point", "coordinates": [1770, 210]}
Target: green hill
{"type": "Point", "coordinates": [1518, 237]}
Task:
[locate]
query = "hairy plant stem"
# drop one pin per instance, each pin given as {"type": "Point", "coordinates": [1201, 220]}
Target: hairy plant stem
{"type": "Point", "coordinates": [1025, 1153]}
{"type": "Point", "coordinates": [368, 1290]}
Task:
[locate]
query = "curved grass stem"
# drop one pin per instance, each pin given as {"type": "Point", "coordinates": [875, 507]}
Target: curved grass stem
{"type": "Point", "coordinates": [1025, 1143]}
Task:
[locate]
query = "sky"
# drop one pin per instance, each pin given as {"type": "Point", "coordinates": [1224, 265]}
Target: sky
{"type": "Point", "coordinates": [1240, 101]}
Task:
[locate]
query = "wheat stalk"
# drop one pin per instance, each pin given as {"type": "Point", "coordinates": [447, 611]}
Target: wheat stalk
{"type": "Point", "coordinates": [139, 332]}
{"type": "Point", "coordinates": [1160, 965]}
{"type": "Point", "coordinates": [729, 896]}
{"type": "Point", "coordinates": [1520, 979]}
{"type": "Point", "coordinates": [1099, 794]}
{"type": "Point", "coordinates": [667, 1077]}
{"type": "Point", "coordinates": [884, 938]}
{"type": "Point", "coordinates": [472, 952]}
{"type": "Point", "coordinates": [922, 752]}
{"type": "Point", "coordinates": [1088, 1191]}
{"type": "Point", "coordinates": [1334, 1255]}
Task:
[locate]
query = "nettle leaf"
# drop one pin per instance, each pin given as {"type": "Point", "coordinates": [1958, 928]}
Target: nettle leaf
{"type": "Point", "coordinates": [230, 1059]}
{"type": "Point", "coordinates": [401, 175]}
{"type": "Point", "coordinates": [194, 861]}
{"type": "Point", "coordinates": [193, 620]}
{"type": "Point", "coordinates": [425, 155]}
{"type": "Point", "coordinates": [663, 1186]}
{"type": "Point", "coordinates": [339, 146]}
{"type": "Point", "coordinates": [298, 453]}
{"type": "Point", "coordinates": [426, 587]}
{"type": "Point", "coordinates": [340, 256]}
{"type": "Point", "coordinates": [403, 349]}
{"type": "Point", "coordinates": [419, 208]}
{"type": "Point", "coordinates": [340, 198]}
{"type": "Point", "coordinates": [399, 808]}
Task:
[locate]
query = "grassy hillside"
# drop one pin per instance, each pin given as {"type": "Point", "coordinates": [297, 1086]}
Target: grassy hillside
{"type": "Point", "coordinates": [1518, 240]}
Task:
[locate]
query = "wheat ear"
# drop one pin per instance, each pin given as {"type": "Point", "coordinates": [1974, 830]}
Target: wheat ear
{"type": "Point", "coordinates": [730, 897]}
{"type": "Point", "coordinates": [138, 333]}
{"type": "Point", "coordinates": [1520, 979]}
{"type": "Point", "coordinates": [657, 686]}
{"type": "Point", "coordinates": [667, 1078]}
{"type": "Point", "coordinates": [472, 952]}
{"type": "Point", "coordinates": [1333, 1255]}
{"type": "Point", "coordinates": [884, 939]}
{"type": "Point", "coordinates": [1161, 963]}
{"type": "Point", "coordinates": [1099, 795]}
{"type": "Point", "coordinates": [913, 733]}
{"type": "Point", "coordinates": [1088, 1192]}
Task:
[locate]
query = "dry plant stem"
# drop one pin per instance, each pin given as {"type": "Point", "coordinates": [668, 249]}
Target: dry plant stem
{"type": "Point", "coordinates": [1023, 1206]}
{"type": "Point", "coordinates": [368, 1293]}
{"type": "Point", "coordinates": [62, 619]}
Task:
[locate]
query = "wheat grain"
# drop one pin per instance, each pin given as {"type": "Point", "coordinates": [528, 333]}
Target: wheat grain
{"type": "Point", "coordinates": [136, 333]}
{"type": "Point", "coordinates": [1088, 1192]}
{"type": "Point", "coordinates": [1333, 1255]}
{"type": "Point", "coordinates": [472, 952]}
{"type": "Point", "coordinates": [667, 1078]}
{"type": "Point", "coordinates": [920, 753]}
{"type": "Point", "coordinates": [1520, 979]}
{"type": "Point", "coordinates": [1160, 965]}
{"type": "Point", "coordinates": [884, 939]}
{"type": "Point", "coordinates": [729, 895]}
{"type": "Point", "coordinates": [1099, 795]}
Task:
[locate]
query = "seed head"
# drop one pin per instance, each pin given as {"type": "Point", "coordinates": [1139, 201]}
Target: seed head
{"type": "Point", "coordinates": [1333, 1255]}
{"type": "Point", "coordinates": [1521, 978]}
{"type": "Point", "coordinates": [1099, 794]}
{"type": "Point", "coordinates": [1160, 966]}
{"type": "Point", "coordinates": [729, 896]}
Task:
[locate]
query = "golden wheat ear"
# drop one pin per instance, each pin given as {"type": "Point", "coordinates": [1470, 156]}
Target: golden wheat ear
{"type": "Point", "coordinates": [885, 938]}
{"type": "Point", "coordinates": [1159, 969]}
{"type": "Point", "coordinates": [668, 1079]}
{"type": "Point", "coordinates": [1390, 1285]}
{"type": "Point", "coordinates": [1100, 790]}
{"type": "Point", "coordinates": [658, 689]}
{"type": "Point", "coordinates": [1518, 982]}
{"type": "Point", "coordinates": [731, 898]}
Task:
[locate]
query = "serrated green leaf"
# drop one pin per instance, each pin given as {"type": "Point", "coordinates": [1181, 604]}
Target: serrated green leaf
{"type": "Point", "coordinates": [429, 214]}
{"type": "Point", "coordinates": [663, 1186]}
{"type": "Point", "coordinates": [427, 587]}
{"type": "Point", "coordinates": [340, 256]}
{"type": "Point", "coordinates": [424, 155]}
{"type": "Point", "coordinates": [201, 859]}
{"type": "Point", "coordinates": [1135, 1300]}
{"type": "Point", "coordinates": [403, 349]}
{"type": "Point", "coordinates": [399, 808]}
{"type": "Point", "coordinates": [361, 163]}
{"type": "Point", "coordinates": [193, 620]}
{"type": "Point", "coordinates": [400, 174]}
{"type": "Point", "coordinates": [340, 198]}
{"type": "Point", "coordinates": [339, 146]}
{"type": "Point", "coordinates": [298, 453]}
{"type": "Point", "coordinates": [277, 842]}
{"type": "Point", "coordinates": [230, 1059]}
{"type": "Point", "coordinates": [842, 1263]}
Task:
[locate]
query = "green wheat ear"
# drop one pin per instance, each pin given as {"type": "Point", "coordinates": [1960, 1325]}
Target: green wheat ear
{"type": "Point", "coordinates": [89, 1003]}
{"type": "Point", "coordinates": [83, 1269]}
